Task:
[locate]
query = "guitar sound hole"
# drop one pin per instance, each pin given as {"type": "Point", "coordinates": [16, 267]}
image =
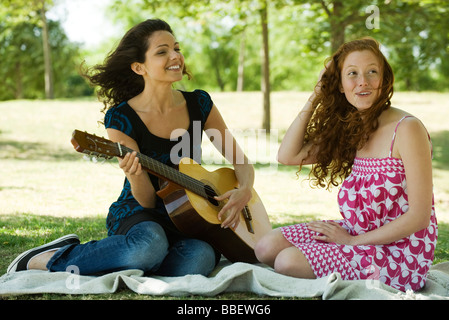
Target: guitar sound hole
{"type": "Point", "coordinates": [210, 195]}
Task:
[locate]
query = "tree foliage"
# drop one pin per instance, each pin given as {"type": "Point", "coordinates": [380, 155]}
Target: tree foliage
{"type": "Point", "coordinates": [222, 42]}
{"type": "Point", "coordinates": [23, 71]}
{"type": "Point", "coordinates": [414, 35]}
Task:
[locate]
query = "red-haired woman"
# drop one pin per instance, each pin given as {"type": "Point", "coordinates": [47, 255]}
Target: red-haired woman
{"type": "Point", "coordinates": [349, 131]}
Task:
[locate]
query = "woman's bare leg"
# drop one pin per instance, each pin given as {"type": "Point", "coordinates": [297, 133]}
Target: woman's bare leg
{"type": "Point", "coordinates": [277, 252]}
{"type": "Point", "coordinates": [270, 246]}
{"type": "Point", "coordinates": [292, 262]}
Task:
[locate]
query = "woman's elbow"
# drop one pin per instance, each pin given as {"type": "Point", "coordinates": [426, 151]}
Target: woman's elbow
{"type": "Point", "coordinates": [292, 159]}
{"type": "Point", "coordinates": [422, 221]}
{"type": "Point", "coordinates": [145, 200]}
{"type": "Point", "coordinates": [304, 156]}
{"type": "Point", "coordinates": [284, 159]}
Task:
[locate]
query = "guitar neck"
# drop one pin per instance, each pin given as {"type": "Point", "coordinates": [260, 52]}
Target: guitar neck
{"type": "Point", "coordinates": [166, 172]}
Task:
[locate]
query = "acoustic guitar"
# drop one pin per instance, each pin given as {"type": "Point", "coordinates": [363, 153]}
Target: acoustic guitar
{"type": "Point", "coordinates": [188, 194]}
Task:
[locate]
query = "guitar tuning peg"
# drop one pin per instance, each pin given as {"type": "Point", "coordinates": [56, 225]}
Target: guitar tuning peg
{"type": "Point", "coordinates": [98, 159]}
{"type": "Point", "coordinates": [86, 157]}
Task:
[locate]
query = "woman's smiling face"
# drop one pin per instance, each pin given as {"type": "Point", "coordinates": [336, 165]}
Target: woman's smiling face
{"type": "Point", "coordinates": [164, 60]}
{"type": "Point", "coordinates": [361, 78]}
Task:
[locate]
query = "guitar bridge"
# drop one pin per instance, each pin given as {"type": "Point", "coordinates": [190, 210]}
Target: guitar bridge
{"type": "Point", "coordinates": [248, 219]}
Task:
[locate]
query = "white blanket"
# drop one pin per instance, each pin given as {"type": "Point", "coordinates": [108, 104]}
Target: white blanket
{"type": "Point", "coordinates": [237, 277]}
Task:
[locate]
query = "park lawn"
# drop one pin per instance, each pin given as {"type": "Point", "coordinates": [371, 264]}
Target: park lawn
{"type": "Point", "coordinates": [47, 190]}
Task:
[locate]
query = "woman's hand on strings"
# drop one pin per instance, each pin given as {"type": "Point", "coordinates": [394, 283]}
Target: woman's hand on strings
{"type": "Point", "coordinates": [231, 211]}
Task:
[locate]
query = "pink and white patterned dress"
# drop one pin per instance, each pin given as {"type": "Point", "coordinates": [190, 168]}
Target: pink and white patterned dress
{"type": "Point", "coordinates": [374, 194]}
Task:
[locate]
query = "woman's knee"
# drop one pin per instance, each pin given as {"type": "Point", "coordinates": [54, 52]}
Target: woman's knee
{"type": "Point", "coordinates": [189, 256]}
{"type": "Point", "coordinates": [148, 246]}
{"type": "Point", "coordinates": [263, 249]}
{"type": "Point", "coordinates": [200, 257]}
{"type": "Point", "coordinates": [269, 246]}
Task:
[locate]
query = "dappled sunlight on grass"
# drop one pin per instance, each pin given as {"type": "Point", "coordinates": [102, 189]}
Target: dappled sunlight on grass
{"type": "Point", "coordinates": [20, 232]}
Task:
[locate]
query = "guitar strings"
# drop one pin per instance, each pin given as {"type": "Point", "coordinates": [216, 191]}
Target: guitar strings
{"type": "Point", "coordinates": [193, 184]}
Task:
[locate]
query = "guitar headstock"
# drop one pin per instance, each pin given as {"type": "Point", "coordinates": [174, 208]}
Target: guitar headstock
{"type": "Point", "coordinates": [95, 146]}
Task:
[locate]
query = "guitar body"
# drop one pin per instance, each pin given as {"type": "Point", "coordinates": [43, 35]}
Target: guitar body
{"type": "Point", "coordinates": [196, 216]}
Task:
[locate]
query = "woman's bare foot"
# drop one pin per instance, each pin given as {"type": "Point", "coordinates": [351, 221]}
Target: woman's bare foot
{"type": "Point", "coordinates": [39, 262]}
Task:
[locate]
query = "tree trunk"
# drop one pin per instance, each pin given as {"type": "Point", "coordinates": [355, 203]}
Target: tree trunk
{"type": "Point", "coordinates": [220, 82]}
{"type": "Point", "coordinates": [337, 23]}
{"type": "Point", "coordinates": [265, 68]}
{"type": "Point", "coordinates": [18, 90]}
{"type": "Point", "coordinates": [47, 55]}
{"type": "Point", "coordinates": [241, 67]}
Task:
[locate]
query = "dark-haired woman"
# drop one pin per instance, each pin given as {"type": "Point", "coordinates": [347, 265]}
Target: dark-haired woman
{"type": "Point", "coordinates": [146, 114]}
{"type": "Point", "coordinates": [349, 130]}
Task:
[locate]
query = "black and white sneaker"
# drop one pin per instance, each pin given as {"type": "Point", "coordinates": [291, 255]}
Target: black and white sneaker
{"type": "Point", "coordinates": [21, 262]}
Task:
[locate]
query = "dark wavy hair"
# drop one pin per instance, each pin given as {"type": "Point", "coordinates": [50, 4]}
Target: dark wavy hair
{"type": "Point", "coordinates": [115, 79]}
{"type": "Point", "coordinates": [337, 128]}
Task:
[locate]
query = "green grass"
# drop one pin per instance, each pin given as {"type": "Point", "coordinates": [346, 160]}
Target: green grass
{"type": "Point", "coordinates": [47, 190]}
{"type": "Point", "coordinates": [20, 232]}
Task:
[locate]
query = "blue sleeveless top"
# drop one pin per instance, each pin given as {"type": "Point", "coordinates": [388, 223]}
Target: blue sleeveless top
{"type": "Point", "coordinates": [126, 211]}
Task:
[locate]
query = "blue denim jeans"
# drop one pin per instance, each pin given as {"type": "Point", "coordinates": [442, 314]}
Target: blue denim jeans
{"type": "Point", "coordinates": [144, 247]}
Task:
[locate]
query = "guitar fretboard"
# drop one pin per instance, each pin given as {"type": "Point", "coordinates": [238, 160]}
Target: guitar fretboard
{"type": "Point", "coordinates": [169, 173]}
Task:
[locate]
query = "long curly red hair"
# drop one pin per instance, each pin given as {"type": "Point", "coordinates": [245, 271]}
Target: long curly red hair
{"type": "Point", "coordinates": [337, 128]}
